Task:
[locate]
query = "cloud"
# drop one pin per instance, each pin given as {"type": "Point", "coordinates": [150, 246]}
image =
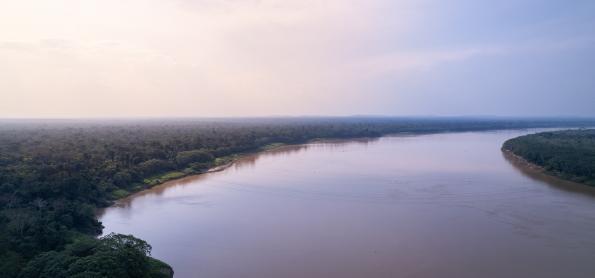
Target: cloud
{"type": "Point", "coordinates": [401, 61]}
{"type": "Point", "coordinates": [231, 57]}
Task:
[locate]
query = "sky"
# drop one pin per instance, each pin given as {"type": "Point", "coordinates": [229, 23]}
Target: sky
{"type": "Point", "coordinates": [214, 58]}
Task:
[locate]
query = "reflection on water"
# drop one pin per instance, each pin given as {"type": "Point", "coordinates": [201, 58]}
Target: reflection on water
{"type": "Point", "coordinates": [538, 175]}
{"type": "Point", "coordinates": [243, 162]}
{"type": "Point", "coordinates": [444, 205]}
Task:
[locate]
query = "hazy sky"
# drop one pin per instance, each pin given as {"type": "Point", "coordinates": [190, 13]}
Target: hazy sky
{"type": "Point", "coordinates": [119, 58]}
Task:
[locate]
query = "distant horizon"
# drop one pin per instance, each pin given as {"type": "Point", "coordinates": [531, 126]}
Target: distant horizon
{"type": "Point", "coordinates": [561, 117]}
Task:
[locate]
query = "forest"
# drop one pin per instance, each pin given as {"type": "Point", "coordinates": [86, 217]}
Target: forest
{"type": "Point", "coordinates": [568, 154]}
{"type": "Point", "coordinates": [54, 174]}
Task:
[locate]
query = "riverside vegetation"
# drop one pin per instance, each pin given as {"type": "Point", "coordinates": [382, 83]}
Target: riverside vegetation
{"type": "Point", "coordinates": [54, 174]}
{"type": "Point", "coordinates": [568, 154]}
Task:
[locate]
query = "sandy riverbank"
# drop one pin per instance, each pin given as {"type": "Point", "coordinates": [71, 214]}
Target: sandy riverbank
{"type": "Point", "coordinates": [539, 173]}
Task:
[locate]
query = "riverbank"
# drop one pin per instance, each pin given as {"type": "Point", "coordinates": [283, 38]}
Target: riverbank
{"type": "Point", "coordinates": [223, 163]}
{"type": "Point", "coordinates": [75, 167]}
{"type": "Point", "coordinates": [351, 205]}
{"type": "Point", "coordinates": [566, 154]}
{"type": "Point", "coordinates": [539, 173]}
{"type": "Point", "coordinates": [520, 161]}
{"type": "Point", "coordinates": [219, 164]}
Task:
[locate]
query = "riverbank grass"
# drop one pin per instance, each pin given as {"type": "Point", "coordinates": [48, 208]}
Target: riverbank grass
{"type": "Point", "coordinates": [177, 174]}
{"type": "Point", "coordinates": [120, 193]}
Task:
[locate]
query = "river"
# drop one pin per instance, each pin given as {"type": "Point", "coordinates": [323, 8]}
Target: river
{"type": "Point", "coordinates": [439, 205]}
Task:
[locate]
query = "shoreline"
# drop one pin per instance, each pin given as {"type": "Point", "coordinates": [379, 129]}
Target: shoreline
{"type": "Point", "coordinates": [539, 173]}
{"type": "Point", "coordinates": [230, 160]}
{"type": "Point", "coordinates": [521, 161]}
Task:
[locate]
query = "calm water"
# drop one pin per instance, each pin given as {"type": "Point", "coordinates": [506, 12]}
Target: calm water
{"type": "Point", "coordinates": [446, 205]}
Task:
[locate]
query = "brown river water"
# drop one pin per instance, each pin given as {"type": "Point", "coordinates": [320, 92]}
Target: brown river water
{"type": "Point", "coordinates": [441, 205]}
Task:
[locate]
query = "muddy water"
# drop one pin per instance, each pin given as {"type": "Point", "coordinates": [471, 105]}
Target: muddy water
{"type": "Point", "coordinates": [445, 205]}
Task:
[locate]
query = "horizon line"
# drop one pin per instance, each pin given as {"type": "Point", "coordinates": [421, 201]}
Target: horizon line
{"type": "Point", "coordinates": [304, 116]}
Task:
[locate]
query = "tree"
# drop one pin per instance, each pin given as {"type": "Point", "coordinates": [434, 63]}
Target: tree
{"type": "Point", "coordinates": [114, 256]}
{"type": "Point", "coordinates": [187, 157]}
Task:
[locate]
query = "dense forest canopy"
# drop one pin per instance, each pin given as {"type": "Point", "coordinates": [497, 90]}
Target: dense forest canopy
{"type": "Point", "coordinates": [55, 173]}
{"type": "Point", "coordinates": [569, 154]}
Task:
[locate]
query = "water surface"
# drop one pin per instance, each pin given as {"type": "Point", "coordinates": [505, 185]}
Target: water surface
{"type": "Point", "coordinates": [443, 205]}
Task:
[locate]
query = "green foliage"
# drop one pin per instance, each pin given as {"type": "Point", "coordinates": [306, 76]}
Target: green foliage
{"type": "Point", "coordinates": [165, 177]}
{"type": "Point", "coordinates": [569, 154]}
{"type": "Point", "coordinates": [272, 146]}
{"type": "Point", "coordinates": [115, 255]}
{"type": "Point", "coordinates": [172, 175]}
{"type": "Point", "coordinates": [54, 174]}
{"type": "Point", "coordinates": [153, 166]}
{"type": "Point", "coordinates": [186, 157]}
{"type": "Point", "coordinates": [159, 269]}
{"type": "Point", "coordinates": [120, 193]}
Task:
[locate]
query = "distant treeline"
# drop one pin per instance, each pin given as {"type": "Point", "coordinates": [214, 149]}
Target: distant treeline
{"type": "Point", "coordinates": [568, 154]}
{"type": "Point", "coordinates": [55, 173]}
